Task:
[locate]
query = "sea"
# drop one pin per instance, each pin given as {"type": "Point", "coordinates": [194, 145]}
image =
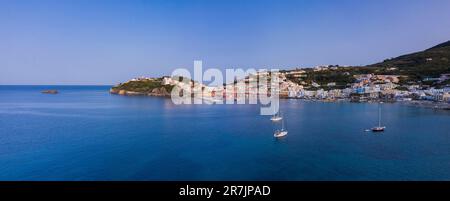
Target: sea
{"type": "Point", "coordinates": [84, 133]}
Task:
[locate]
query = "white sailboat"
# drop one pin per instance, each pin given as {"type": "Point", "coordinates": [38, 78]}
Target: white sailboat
{"type": "Point", "coordinates": [379, 128]}
{"type": "Point", "coordinates": [282, 132]}
{"type": "Point", "coordinates": [211, 100]}
{"type": "Point", "coordinates": [276, 117]}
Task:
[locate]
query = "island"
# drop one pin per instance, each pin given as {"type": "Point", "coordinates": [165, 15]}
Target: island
{"type": "Point", "coordinates": [50, 91]}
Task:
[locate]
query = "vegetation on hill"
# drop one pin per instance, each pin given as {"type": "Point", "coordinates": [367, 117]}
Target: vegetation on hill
{"type": "Point", "coordinates": [416, 67]}
{"type": "Point", "coordinates": [430, 63]}
{"type": "Point", "coordinates": [143, 86]}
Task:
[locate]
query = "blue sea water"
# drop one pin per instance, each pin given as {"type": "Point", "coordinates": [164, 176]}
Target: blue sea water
{"type": "Point", "coordinates": [85, 133]}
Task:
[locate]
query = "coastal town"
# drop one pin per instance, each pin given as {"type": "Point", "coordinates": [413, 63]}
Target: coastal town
{"type": "Point", "coordinates": [294, 84]}
{"type": "Point", "coordinates": [365, 88]}
{"type": "Point", "coordinates": [421, 78]}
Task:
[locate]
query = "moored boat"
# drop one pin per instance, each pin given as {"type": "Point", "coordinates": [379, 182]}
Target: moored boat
{"type": "Point", "coordinates": [276, 117]}
{"type": "Point", "coordinates": [282, 132]}
{"type": "Point", "coordinates": [379, 128]}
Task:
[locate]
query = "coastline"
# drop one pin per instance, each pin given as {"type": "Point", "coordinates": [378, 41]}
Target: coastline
{"type": "Point", "coordinates": [414, 103]}
{"type": "Point", "coordinates": [160, 92]}
{"type": "Point", "coordinates": [428, 104]}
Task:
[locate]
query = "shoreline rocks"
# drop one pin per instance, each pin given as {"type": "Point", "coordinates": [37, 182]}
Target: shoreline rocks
{"type": "Point", "coordinates": [161, 91]}
{"type": "Point", "coordinates": [430, 105]}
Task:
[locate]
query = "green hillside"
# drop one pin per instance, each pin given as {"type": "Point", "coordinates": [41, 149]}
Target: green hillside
{"type": "Point", "coordinates": [425, 64]}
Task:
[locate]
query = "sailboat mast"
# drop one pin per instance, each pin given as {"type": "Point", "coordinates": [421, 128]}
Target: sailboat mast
{"type": "Point", "coordinates": [379, 114]}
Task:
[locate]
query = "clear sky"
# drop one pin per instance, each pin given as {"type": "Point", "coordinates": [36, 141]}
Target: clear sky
{"type": "Point", "coordinates": [106, 42]}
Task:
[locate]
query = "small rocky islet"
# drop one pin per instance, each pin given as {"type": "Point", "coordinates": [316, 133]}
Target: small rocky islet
{"type": "Point", "coordinates": [51, 91]}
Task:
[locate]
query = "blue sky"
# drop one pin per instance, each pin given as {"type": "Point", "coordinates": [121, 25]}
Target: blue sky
{"type": "Point", "coordinates": [106, 42]}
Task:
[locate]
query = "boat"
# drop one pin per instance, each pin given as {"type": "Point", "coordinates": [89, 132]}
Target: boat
{"type": "Point", "coordinates": [211, 100]}
{"type": "Point", "coordinates": [282, 132]}
{"type": "Point", "coordinates": [276, 117]}
{"type": "Point", "coordinates": [379, 128]}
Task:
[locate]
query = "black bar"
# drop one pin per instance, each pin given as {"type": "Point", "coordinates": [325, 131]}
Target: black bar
{"type": "Point", "coordinates": [278, 190]}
